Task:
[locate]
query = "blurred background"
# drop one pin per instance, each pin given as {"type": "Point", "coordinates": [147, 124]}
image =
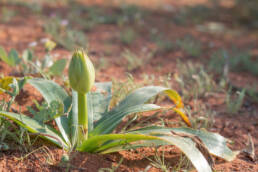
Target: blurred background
{"type": "Point", "coordinates": [140, 37]}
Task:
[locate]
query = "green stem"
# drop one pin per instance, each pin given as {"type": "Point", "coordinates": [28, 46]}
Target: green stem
{"type": "Point", "coordinates": [82, 116]}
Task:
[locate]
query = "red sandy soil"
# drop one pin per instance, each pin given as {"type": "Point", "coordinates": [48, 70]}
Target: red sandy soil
{"type": "Point", "coordinates": [26, 28]}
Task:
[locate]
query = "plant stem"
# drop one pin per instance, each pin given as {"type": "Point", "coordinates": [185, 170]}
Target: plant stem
{"type": "Point", "coordinates": [82, 116]}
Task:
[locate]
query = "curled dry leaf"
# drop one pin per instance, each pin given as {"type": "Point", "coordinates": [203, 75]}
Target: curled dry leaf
{"type": "Point", "coordinates": [199, 145]}
{"type": "Point", "coordinates": [250, 150]}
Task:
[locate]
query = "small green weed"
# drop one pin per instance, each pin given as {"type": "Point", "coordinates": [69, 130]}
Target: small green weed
{"type": "Point", "coordinates": [131, 14]}
{"type": "Point", "coordinates": [159, 162]}
{"type": "Point", "coordinates": [234, 60]}
{"type": "Point", "coordinates": [27, 63]}
{"type": "Point", "coordinates": [191, 46]}
{"type": "Point", "coordinates": [201, 115]}
{"type": "Point", "coordinates": [46, 112]}
{"type": "Point", "coordinates": [164, 45]}
{"type": "Point", "coordinates": [114, 168]}
{"type": "Point", "coordinates": [163, 80]}
{"type": "Point", "coordinates": [246, 13]}
{"type": "Point", "coordinates": [64, 35]}
{"type": "Point", "coordinates": [93, 16]}
{"type": "Point", "coordinates": [7, 14]}
{"type": "Point", "coordinates": [103, 63]}
{"type": "Point", "coordinates": [122, 88]}
{"type": "Point", "coordinates": [253, 93]}
{"type": "Point", "coordinates": [34, 6]}
{"type": "Point", "coordinates": [234, 105]}
{"type": "Point", "coordinates": [128, 36]}
{"type": "Point", "coordinates": [194, 81]}
{"type": "Point", "coordinates": [219, 62]}
{"type": "Point", "coordinates": [11, 135]}
{"type": "Point", "coordinates": [12, 58]}
{"type": "Point", "coordinates": [183, 165]}
{"type": "Point", "coordinates": [134, 61]}
{"type": "Point", "coordinates": [193, 14]}
{"type": "Point", "coordinates": [87, 22]}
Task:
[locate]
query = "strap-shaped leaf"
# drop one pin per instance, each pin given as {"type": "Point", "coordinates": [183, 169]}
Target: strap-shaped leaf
{"type": "Point", "coordinates": [138, 98]}
{"type": "Point", "coordinates": [35, 127]}
{"type": "Point", "coordinates": [215, 143]}
{"type": "Point", "coordinates": [95, 143]}
{"type": "Point", "coordinates": [53, 92]}
{"type": "Point", "coordinates": [109, 124]}
{"type": "Point", "coordinates": [189, 148]}
{"type": "Point", "coordinates": [142, 95]}
{"type": "Point", "coordinates": [103, 143]}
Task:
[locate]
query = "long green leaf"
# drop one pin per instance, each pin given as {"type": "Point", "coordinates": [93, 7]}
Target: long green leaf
{"type": "Point", "coordinates": [53, 92]}
{"type": "Point", "coordinates": [136, 98]}
{"type": "Point", "coordinates": [36, 127]}
{"type": "Point", "coordinates": [102, 143]}
{"type": "Point", "coordinates": [215, 143]}
{"type": "Point", "coordinates": [94, 143]}
{"type": "Point", "coordinates": [109, 124]}
{"type": "Point", "coordinates": [142, 95]}
{"type": "Point", "coordinates": [189, 148]}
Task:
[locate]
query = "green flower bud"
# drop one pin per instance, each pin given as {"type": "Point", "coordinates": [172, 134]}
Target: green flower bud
{"type": "Point", "coordinates": [81, 72]}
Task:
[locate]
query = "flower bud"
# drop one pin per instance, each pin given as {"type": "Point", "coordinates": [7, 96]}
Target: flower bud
{"type": "Point", "coordinates": [81, 72]}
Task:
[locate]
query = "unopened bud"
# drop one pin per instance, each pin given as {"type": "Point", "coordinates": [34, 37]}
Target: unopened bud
{"type": "Point", "coordinates": [81, 72]}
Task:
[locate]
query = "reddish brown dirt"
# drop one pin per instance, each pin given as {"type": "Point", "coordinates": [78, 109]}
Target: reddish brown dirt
{"type": "Point", "coordinates": [26, 28]}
